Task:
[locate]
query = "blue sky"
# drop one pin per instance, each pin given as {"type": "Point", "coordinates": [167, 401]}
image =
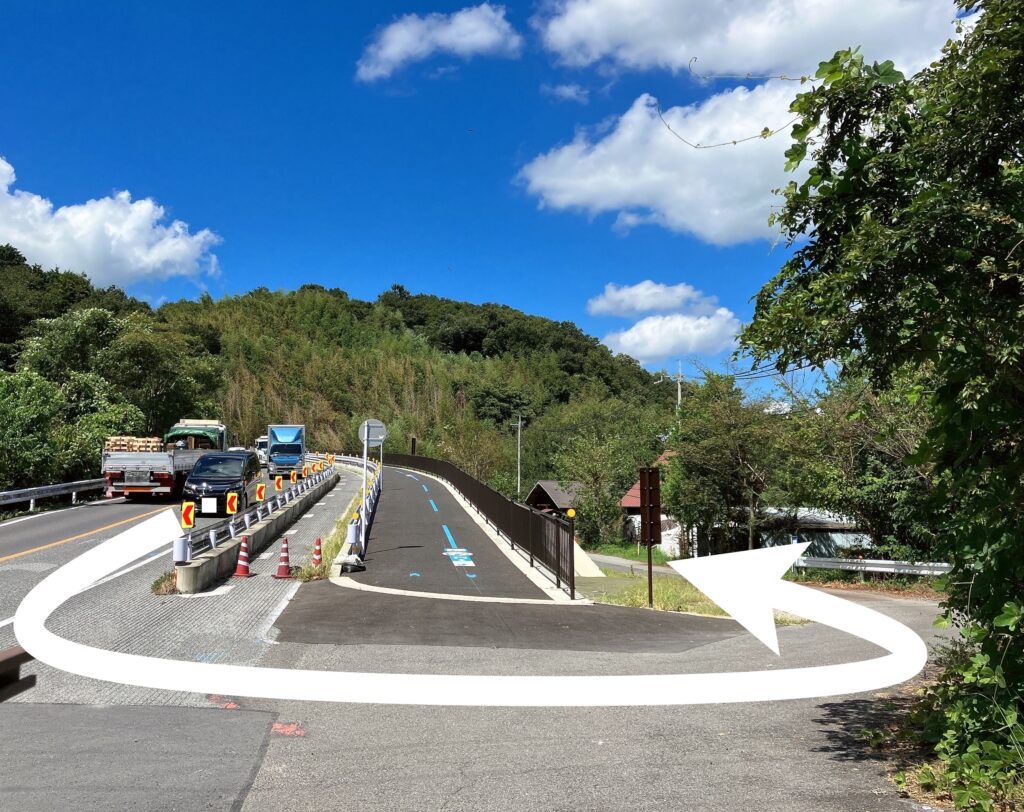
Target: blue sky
{"type": "Point", "coordinates": [480, 152]}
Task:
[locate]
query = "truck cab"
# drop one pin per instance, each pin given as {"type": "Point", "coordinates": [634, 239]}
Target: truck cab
{"type": "Point", "coordinates": [262, 444]}
{"type": "Point", "coordinates": [286, 448]}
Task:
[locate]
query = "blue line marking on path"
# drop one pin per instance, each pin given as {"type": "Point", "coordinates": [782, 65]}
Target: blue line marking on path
{"type": "Point", "coordinates": [433, 505]}
{"type": "Point", "coordinates": [414, 575]}
{"type": "Point", "coordinates": [471, 575]}
{"type": "Point", "coordinates": [448, 533]}
{"type": "Point", "coordinates": [424, 487]}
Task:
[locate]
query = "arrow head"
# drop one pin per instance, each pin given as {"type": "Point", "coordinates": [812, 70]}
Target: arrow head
{"type": "Point", "coordinates": [743, 584]}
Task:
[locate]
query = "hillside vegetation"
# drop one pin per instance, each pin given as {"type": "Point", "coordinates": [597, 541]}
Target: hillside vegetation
{"type": "Point", "coordinates": [81, 363]}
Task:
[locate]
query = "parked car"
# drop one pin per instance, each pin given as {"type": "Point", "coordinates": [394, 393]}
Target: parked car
{"type": "Point", "coordinates": [215, 475]}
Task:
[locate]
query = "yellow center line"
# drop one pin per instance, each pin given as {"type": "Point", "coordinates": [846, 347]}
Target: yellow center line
{"type": "Point", "coordinates": [80, 535]}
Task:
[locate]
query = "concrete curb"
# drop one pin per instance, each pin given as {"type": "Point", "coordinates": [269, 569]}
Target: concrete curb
{"type": "Point", "coordinates": [214, 565]}
{"type": "Point", "coordinates": [350, 583]}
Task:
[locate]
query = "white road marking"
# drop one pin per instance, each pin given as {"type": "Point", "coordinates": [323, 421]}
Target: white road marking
{"type": "Point", "coordinates": [907, 655]}
{"type": "Point", "coordinates": [223, 589]}
{"type": "Point", "coordinates": [7, 622]}
{"type": "Point", "coordinates": [411, 593]}
{"type": "Point", "coordinates": [129, 569]}
{"type": "Point", "coordinates": [68, 509]}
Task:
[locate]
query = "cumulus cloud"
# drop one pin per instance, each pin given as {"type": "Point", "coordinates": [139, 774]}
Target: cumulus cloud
{"type": "Point", "coordinates": [473, 31]}
{"type": "Point", "coordinates": [698, 325]}
{"type": "Point", "coordinates": [743, 36]}
{"type": "Point", "coordinates": [115, 240]}
{"type": "Point", "coordinates": [639, 170]}
{"type": "Point", "coordinates": [655, 338]}
{"type": "Point", "coordinates": [644, 297]}
{"type": "Point", "coordinates": [573, 93]}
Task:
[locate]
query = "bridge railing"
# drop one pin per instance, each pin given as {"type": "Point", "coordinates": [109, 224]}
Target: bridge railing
{"type": "Point", "coordinates": [47, 491]}
{"type": "Point", "coordinates": [546, 540]}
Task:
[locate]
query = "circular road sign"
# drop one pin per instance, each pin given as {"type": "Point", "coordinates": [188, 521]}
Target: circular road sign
{"type": "Point", "coordinates": [373, 433]}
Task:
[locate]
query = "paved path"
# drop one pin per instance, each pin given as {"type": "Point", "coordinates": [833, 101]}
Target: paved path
{"type": "Point", "coordinates": [33, 546]}
{"type": "Point", "coordinates": [415, 535]}
{"type": "Point", "coordinates": [128, 748]}
{"type": "Point", "coordinates": [326, 614]}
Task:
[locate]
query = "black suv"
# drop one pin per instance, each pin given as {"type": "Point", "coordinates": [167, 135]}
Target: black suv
{"type": "Point", "coordinates": [219, 473]}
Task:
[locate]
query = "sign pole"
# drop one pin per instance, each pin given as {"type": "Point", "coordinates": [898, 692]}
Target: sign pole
{"type": "Point", "coordinates": [650, 521]}
{"type": "Point", "coordinates": [362, 529]}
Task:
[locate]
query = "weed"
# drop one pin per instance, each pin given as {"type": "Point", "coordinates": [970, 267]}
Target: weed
{"type": "Point", "coordinates": [166, 584]}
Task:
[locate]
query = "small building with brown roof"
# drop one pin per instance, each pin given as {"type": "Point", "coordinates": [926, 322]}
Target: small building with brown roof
{"type": "Point", "coordinates": [549, 496]}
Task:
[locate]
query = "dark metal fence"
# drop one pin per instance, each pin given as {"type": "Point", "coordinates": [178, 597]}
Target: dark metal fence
{"type": "Point", "coordinates": [547, 540]}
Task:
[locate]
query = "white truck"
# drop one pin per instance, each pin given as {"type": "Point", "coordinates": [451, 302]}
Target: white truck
{"type": "Point", "coordinates": [262, 444]}
{"type": "Point", "coordinates": [135, 467]}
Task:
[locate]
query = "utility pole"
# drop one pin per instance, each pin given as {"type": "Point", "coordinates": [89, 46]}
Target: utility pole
{"type": "Point", "coordinates": [678, 378]}
{"type": "Point", "coordinates": [519, 459]}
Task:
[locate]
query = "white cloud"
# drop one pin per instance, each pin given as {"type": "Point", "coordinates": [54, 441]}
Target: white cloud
{"type": "Point", "coordinates": [699, 326]}
{"type": "Point", "coordinates": [473, 31]}
{"type": "Point", "coordinates": [639, 170]}
{"type": "Point", "coordinates": [645, 297]}
{"type": "Point", "coordinates": [743, 36]}
{"type": "Point", "coordinates": [658, 337]}
{"type": "Point", "coordinates": [114, 240]}
{"type": "Point", "coordinates": [574, 93]}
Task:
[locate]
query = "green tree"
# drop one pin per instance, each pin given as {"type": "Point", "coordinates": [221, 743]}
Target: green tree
{"type": "Point", "coordinates": [728, 457]}
{"type": "Point", "coordinates": [30, 422]}
{"type": "Point", "coordinates": [910, 256]}
{"type": "Point", "coordinates": [856, 444]}
{"type": "Point", "coordinates": [599, 456]}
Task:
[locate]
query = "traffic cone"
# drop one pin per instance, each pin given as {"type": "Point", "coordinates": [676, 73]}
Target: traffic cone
{"type": "Point", "coordinates": [242, 570]}
{"type": "Point", "coordinates": [317, 554]}
{"type": "Point", "coordinates": [284, 569]}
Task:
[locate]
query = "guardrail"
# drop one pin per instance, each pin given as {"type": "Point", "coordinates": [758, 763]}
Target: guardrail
{"type": "Point", "coordinates": [46, 491]}
{"type": "Point", "coordinates": [11, 681]}
{"type": "Point", "coordinates": [207, 538]}
{"type": "Point", "coordinates": [874, 565]}
{"type": "Point", "coordinates": [547, 540]}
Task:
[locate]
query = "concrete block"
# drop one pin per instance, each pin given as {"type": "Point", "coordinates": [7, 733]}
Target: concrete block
{"type": "Point", "coordinates": [212, 566]}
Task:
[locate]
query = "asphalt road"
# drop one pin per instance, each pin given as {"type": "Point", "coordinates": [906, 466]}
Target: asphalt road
{"type": "Point", "coordinates": [78, 742]}
{"type": "Point", "coordinates": [416, 532]}
{"type": "Point", "coordinates": [34, 545]}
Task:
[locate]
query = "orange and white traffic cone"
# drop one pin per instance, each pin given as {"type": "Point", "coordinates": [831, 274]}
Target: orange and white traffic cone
{"type": "Point", "coordinates": [317, 554]}
{"type": "Point", "coordinates": [242, 570]}
{"type": "Point", "coordinates": [284, 569]}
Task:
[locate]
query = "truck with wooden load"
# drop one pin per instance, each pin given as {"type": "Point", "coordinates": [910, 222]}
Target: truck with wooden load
{"type": "Point", "coordinates": [135, 467]}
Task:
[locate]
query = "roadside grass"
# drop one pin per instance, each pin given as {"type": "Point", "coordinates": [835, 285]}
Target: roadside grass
{"type": "Point", "coordinates": [630, 551]}
{"type": "Point", "coordinates": [671, 594]}
{"type": "Point", "coordinates": [166, 584]}
{"type": "Point", "coordinates": [904, 585]}
{"type": "Point", "coordinates": [329, 547]}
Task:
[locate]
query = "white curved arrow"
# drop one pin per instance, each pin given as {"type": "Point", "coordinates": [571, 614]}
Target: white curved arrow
{"type": "Point", "coordinates": [754, 574]}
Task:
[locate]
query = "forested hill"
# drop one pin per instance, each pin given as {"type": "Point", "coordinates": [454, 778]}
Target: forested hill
{"type": "Point", "coordinates": [81, 363]}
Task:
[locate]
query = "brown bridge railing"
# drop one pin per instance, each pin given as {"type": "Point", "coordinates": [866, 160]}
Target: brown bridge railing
{"type": "Point", "coordinates": [546, 540]}
{"type": "Point", "coordinates": [11, 681]}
